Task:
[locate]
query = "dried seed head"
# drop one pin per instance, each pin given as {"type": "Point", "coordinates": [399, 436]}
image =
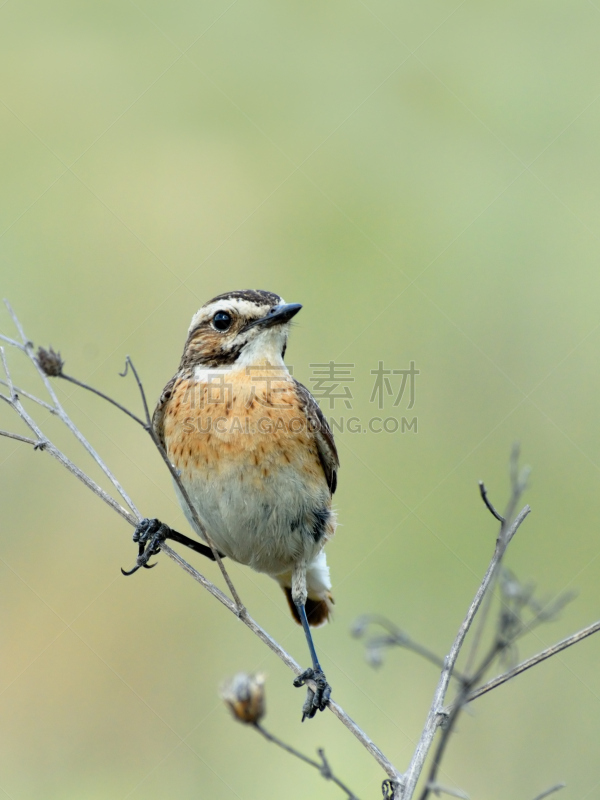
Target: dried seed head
{"type": "Point", "coordinates": [245, 696]}
{"type": "Point", "coordinates": [50, 362]}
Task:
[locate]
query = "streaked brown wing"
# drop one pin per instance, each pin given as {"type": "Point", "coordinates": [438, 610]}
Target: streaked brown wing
{"type": "Point", "coordinates": [324, 437]}
{"type": "Point", "coordinates": [159, 412]}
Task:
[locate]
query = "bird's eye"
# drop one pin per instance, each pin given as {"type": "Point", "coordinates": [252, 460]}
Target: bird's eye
{"type": "Point", "coordinates": [222, 320]}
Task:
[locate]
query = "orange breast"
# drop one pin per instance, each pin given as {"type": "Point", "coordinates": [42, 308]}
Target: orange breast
{"type": "Point", "coordinates": [248, 420]}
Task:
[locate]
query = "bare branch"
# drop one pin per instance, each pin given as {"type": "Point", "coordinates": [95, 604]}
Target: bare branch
{"type": "Point", "coordinates": [104, 397]}
{"type": "Point", "coordinates": [486, 500]}
{"type": "Point", "coordinates": [129, 363]}
{"type": "Point", "coordinates": [200, 527]}
{"type": "Point", "coordinates": [395, 637]}
{"type": "Point", "coordinates": [27, 347]}
{"type": "Point", "coordinates": [42, 443]}
{"type": "Point", "coordinates": [518, 599]}
{"type": "Point", "coordinates": [13, 395]}
{"type": "Point", "coordinates": [550, 791]}
{"type": "Point", "coordinates": [18, 326]}
{"type": "Point", "coordinates": [438, 789]}
{"type": "Point", "coordinates": [336, 710]}
{"type": "Point", "coordinates": [518, 485]}
{"type": "Point", "coordinates": [12, 342]}
{"type": "Point", "coordinates": [478, 632]}
{"type": "Point", "coordinates": [147, 426]}
{"type": "Point", "coordinates": [323, 768]}
{"type": "Point", "coordinates": [23, 393]}
{"type": "Point", "coordinates": [437, 713]}
{"type": "Point", "coordinates": [531, 662]}
{"type": "Point", "coordinates": [19, 438]}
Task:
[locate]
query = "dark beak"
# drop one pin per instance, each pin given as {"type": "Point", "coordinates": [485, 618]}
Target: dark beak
{"type": "Point", "coordinates": [277, 315]}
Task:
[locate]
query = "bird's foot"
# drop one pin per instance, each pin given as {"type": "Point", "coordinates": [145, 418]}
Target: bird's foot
{"type": "Point", "coordinates": [149, 534]}
{"type": "Point", "coordinates": [315, 700]}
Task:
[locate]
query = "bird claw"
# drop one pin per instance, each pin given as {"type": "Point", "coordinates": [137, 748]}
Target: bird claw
{"type": "Point", "coordinates": [315, 700]}
{"type": "Point", "coordinates": [149, 534]}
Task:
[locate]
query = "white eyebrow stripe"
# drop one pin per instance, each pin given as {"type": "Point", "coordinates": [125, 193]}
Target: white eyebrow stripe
{"type": "Point", "coordinates": [244, 308]}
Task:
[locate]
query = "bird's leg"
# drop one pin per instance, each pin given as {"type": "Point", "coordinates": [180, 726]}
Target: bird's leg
{"type": "Point", "coordinates": [151, 533]}
{"type": "Point", "coordinates": [315, 700]}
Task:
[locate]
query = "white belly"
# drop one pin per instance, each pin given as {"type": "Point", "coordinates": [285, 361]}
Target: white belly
{"type": "Point", "coordinates": [270, 525]}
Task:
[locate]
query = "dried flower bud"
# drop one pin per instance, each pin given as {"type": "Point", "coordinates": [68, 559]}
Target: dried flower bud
{"type": "Point", "coordinates": [50, 362]}
{"type": "Point", "coordinates": [245, 696]}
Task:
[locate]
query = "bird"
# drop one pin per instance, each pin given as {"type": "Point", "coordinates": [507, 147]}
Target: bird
{"type": "Point", "coordinates": [255, 455]}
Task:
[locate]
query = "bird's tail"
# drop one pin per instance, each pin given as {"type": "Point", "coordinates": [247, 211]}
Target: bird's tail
{"type": "Point", "coordinates": [319, 602]}
{"type": "Point", "coordinates": [318, 611]}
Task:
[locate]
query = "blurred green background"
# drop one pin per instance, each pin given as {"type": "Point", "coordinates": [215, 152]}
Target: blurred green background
{"type": "Point", "coordinates": [423, 178]}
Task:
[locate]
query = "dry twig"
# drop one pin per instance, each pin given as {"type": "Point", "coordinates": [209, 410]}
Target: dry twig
{"type": "Point", "coordinates": [323, 767]}
{"type": "Point", "coordinates": [550, 791]}
{"type": "Point", "coordinates": [533, 661]}
{"type": "Point", "coordinates": [437, 714]}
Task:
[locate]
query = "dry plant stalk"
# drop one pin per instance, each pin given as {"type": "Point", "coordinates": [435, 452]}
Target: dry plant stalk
{"type": "Point", "coordinates": [398, 785]}
{"type": "Point", "coordinates": [245, 696]}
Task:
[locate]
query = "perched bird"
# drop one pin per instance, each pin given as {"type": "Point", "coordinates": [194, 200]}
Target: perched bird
{"type": "Point", "coordinates": [255, 455]}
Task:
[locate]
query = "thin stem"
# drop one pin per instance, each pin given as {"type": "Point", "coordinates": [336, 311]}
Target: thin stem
{"type": "Point", "coordinates": [486, 500]}
{"type": "Point", "coordinates": [550, 791]}
{"type": "Point", "coordinates": [19, 438]}
{"type": "Point", "coordinates": [293, 665]}
{"type": "Point", "coordinates": [129, 363]}
{"type": "Point", "coordinates": [13, 395]}
{"type": "Point", "coordinates": [323, 768]}
{"type": "Point", "coordinates": [398, 638]}
{"type": "Point", "coordinates": [83, 385]}
{"type": "Point", "coordinates": [531, 662]}
{"type": "Point", "coordinates": [505, 639]}
{"type": "Point", "coordinates": [454, 713]}
{"type": "Point", "coordinates": [27, 347]}
{"type": "Point", "coordinates": [42, 443]}
{"type": "Point", "coordinates": [438, 789]}
{"type": "Point", "coordinates": [147, 426]}
{"type": "Point", "coordinates": [518, 483]}
{"type": "Point", "coordinates": [48, 447]}
{"type": "Point", "coordinates": [201, 529]}
{"type": "Point", "coordinates": [12, 342]}
{"type": "Point", "coordinates": [23, 393]}
{"type": "Point", "coordinates": [479, 630]}
{"type": "Point", "coordinates": [18, 326]}
{"type": "Point", "coordinates": [437, 714]}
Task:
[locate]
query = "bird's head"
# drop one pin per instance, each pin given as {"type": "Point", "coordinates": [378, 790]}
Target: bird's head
{"type": "Point", "coordinates": [239, 328]}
